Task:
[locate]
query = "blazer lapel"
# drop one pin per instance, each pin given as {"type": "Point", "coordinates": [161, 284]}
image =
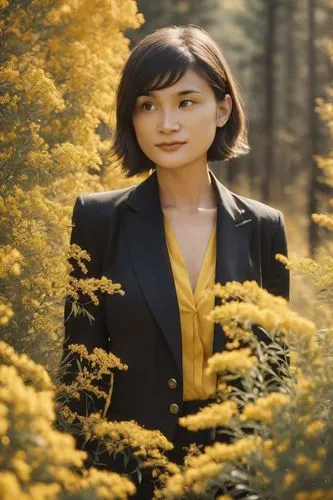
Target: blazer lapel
{"type": "Point", "coordinates": [149, 254]}
{"type": "Point", "coordinates": [233, 247]}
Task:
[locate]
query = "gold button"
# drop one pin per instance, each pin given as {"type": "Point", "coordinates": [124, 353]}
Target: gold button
{"type": "Point", "coordinates": [172, 383]}
{"type": "Point", "coordinates": [173, 408]}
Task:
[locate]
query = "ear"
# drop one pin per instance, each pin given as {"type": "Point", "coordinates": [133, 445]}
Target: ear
{"type": "Point", "coordinates": [223, 110]}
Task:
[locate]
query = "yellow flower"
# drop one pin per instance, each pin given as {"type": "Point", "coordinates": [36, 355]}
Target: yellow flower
{"type": "Point", "coordinates": [213, 415]}
{"type": "Point", "coordinates": [10, 261]}
{"type": "Point", "coordinates": [301, 460]}
{"type": "Point", "coordinates": [304, 419]}
{"type": "Point", "coordinates": [103, 360]}
{"type": "Point", "coordinates": [323, 220]}
{"type": "Point", "coordinates": [175, 484]}
{"type": "Point", "coordinates": [305, 384]}
{"type": "Point", "coordinates": [263, 409]}
{"type": "Point", "coordinates": [246, 304]}
{"type": "Point", "coordinates": [6, 311]}
{"type": "Point", "coordinates": [30, 371]}
{"type": "Point", "coordinates": [40, 88]}
{"type": "Point", "coordinates": [283, 446]}
{"type": "Point", "coordinates": [22, 469]}
{"type": "Point", "coordinates": [288, 480]}
{"type": "Point", "coordinates": [129, 433]}
{"type": "Point", "coordinates": [271, 463]}
{"type": "Point", "coordinates": [223, 388]}
{"type": "Point", "coordinates": [268, 444]}
{"type": "Point", "coordinates": [315, 467]}
{"type": "Point", "coordinates": [237, 361]}
{"type": "Point", "coordinates": [319, 494]}
{"type": "Point", "coordinates": [240, 449]}
{"type": "Point", "coordinates": [321, 452]}
{"type": "Point", "coordinates": [314, 428]}
{"type": "Point", "coordinates": [10, 487]}
{"type": "Point", "coordinates": [88, 286]}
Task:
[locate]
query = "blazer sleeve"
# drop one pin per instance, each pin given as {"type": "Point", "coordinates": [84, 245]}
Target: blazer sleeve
{"type": "Point", "coordinates": [277, 283]}
{"type": "Point", "coordinates": [278, 277]}
{"type": "Point", "coordinates": [79, 329]}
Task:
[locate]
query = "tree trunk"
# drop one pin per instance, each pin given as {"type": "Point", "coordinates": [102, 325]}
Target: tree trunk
{"type": "Point", "coordinates": [269, 108]}
{"type": "Point", "coordinates": [290, 103]}
{"type": "Point", "coordinates": [313, 127]}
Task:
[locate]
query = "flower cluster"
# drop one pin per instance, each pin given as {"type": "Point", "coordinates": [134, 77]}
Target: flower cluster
{"type": "Point", "coordinates": [213, 415]}
{"type": "Point", "coordinates": [37, 461]}
{"type": "Point", "coordinates": [52, 151]}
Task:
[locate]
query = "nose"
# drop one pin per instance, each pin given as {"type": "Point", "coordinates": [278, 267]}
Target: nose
{"type": "Point", "coordinates": [168, 122]}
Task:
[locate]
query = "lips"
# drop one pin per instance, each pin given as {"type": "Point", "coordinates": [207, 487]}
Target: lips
{"type": "Point", "coordinates": [172, 146]}
{"type": "Point", "coordinates": [170, 143]}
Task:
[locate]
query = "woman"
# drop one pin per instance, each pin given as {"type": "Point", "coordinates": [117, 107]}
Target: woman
{"type": "Point", "coordinates": [175, 234]}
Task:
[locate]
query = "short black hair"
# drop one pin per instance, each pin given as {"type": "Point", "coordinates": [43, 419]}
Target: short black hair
{"type": "Point", "coordinates": [158, 61]}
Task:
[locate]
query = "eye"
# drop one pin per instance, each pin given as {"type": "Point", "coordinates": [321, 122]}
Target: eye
{"type": "Point", "coordinates": [187, 100]}
{"type": "Point", "coordinates": [145, 106]}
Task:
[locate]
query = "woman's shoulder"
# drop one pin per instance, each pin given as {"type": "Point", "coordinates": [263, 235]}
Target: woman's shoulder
{"type": "Point", "coordinates": [105, 199]}
{"type": "Point", "coordinates": [95, 216]}
{"type": "Point", "coordinates": [242, 207]}
{"type": "Point", "coordinates": [257, 209]}
{"type": "Point", "coordinates": [98, 209]}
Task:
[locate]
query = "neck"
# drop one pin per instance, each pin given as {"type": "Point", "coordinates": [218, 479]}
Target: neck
{"type": "Point", "coordinates": [186, 189]}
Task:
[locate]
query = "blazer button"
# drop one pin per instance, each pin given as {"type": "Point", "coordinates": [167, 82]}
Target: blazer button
{"type": "Point", "coordinates": [172, 383]}
{"type": "Point", "coordinates": [173, 408]}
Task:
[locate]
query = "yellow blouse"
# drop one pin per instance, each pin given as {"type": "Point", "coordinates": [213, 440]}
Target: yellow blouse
{"type": "Point", "coordinates": [197, 331]}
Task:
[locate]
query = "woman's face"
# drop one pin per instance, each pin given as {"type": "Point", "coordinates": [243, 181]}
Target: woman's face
{"type": "Point", "coordinates": [187, 112]}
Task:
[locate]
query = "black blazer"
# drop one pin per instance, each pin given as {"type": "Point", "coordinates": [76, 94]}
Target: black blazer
{"type": "Point", "coordinates": [123, 231]}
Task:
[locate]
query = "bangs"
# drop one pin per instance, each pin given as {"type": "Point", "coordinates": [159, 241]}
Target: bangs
{"type": "Point", "coordinates": [162, 68]}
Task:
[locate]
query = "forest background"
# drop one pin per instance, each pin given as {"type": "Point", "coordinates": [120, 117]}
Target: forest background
{"type": "Point", "coordinates": [57, 83]}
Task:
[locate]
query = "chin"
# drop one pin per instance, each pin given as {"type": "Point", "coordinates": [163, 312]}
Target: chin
{"type": "Point", "coordinates": [171, 166]}
{"type": "Point", "coordinates": [172, 163]}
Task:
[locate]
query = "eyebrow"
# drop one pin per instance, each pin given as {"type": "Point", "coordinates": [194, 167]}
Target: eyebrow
{"type": "Point", "coordinates": [181, 92]}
